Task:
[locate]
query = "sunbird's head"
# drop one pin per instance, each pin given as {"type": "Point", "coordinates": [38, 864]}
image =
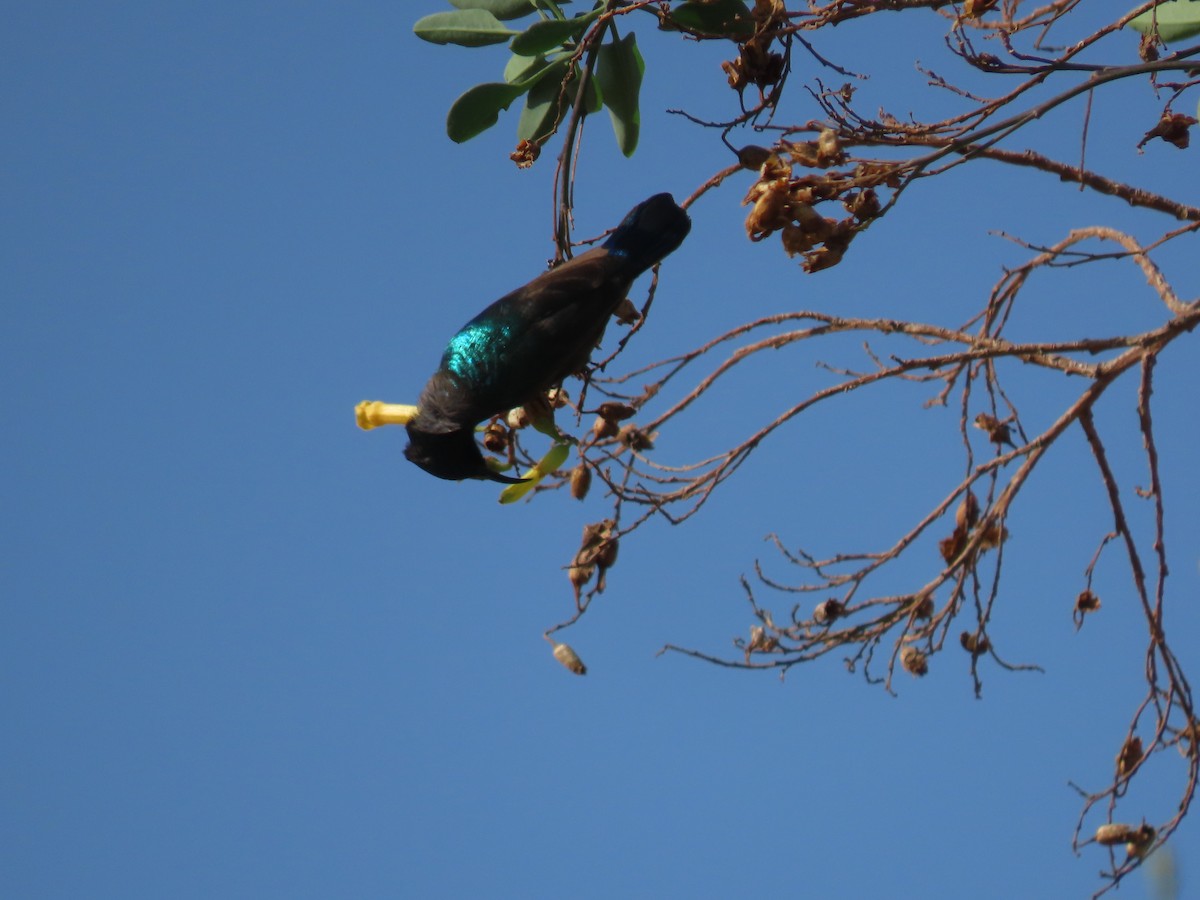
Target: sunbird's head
{"type": "Point", "coordinates": [453, 455]}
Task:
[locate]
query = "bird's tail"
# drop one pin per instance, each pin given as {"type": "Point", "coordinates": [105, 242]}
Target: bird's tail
{"type": "Point", "coordinates": [653, 229]}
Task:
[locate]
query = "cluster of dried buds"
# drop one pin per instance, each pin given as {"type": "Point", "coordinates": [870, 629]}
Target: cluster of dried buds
{"type": "Point", "coordinates": [539, 408]}
{"type": "Point", "coordinates": [597, 554]}
{"type": "Point", "coordinates": [991, 532]}
{"type": "Point", "coordinates": [609, 417]}
{"type": "Point", "coordinates": [757, 63]}
{"type": "Point", "coordinates": [914, 661]}
{"type": "Point", "coordinates": [526, 154]}
{"type": "Point", "coordinates": [1085, 603]}
{"type": "Point", "coordinates": [1174, 128]}
{"type": "Point", "coordinates": [784, 202]}
{"type": "Point", "coordinates": [760, 642]}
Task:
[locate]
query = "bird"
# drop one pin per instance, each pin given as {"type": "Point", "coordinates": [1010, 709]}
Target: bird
{"type": "Point", "coordinates": [532, 338]}
{"type": "Point", "coordinates": [998, 432]}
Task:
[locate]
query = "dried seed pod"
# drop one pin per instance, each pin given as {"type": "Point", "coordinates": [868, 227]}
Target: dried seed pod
{"type": "Point", "coordinates": [973, 9]}
{"type": "Point", "coordinates": [967, 513]}
{"type": "Point", "coordinates": [1130, 756]}
{"type": "Point", "coordinates": [581, 480]}
{"type": "Point", "coordinates": [829, 149]}
{"type": "Point", "coordinates": [1141, 840]}
{"type": "Point", "coordinates": [1114, 833]}
{"type": "Point", "coordinates": [635, 438]}
{"type": "Point", "coordinates": [864, 205]}
{"type": "Point", "coordinates": [752, 157]}
{"type": "Point", "coordinates": [517, 418]}
{"type": "Point", "coordinates": [558, 397]}
{"type": "Point", "coordinates": [994, 534]}
{"type": "Point", "coordinates": [951, 547]}
{"type": "Point", "coordinates": [914, 661]}
{"type": "Point", "coordinates": [796, 239]}
{"type": "Point", "coordinates": [923, 609]}
{"type": "Point", "coordinates": [998, 432]}
{"type": "Point", "coordinates": [526, 154]}
{"type": "Point", "coordinates": [975, 645]}
{"type": "Point", "coordinates": [1087, 602]}
{"type": "Point", "coordinates": [825, 612]}
{"type": "Point", "coordinates": [1148, 48]}
{"type": "Point", "coordinates": [615, 412]}
{"type": "Point", "coordinates": [580, 575]}
{"type": "Point", "coordinates": [495, 438]}
{"type": "Point", "coordinates": [770, 212]}
{"type": "Point", "coordinates": [1172, 128]}
{"type": "Point", "coordinates": [604, 428]}
{"type": "Point", "coordinates": [569, 658]}
{"type": "Point", "coordinates": [806, 153]}
{"type": "Point", "coordinates": [606, 554]}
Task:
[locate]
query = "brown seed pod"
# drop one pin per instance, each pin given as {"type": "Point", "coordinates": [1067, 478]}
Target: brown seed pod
{"type": "Point", "coordinates": [1085, 603]}
{"type": "Point", "coordinates": [994, 534]}
{"type": "Point", "coordinates": [495, 438]}
{"type": "Point", "coordinates": [606, 553]}
{"type": "Point", "coordinates": [604, 428]}
{"type": "Point", "coordinates": [1114, 833]}
{"type": "Point", "coordinates": [1172, 128]}
{"type": "Point", "coordinates": [914, 661]}
{"type": "Point", "coordinates": [1141, 840]}
{"type": "Point", "coordinates": [580, 575]}
{"type": "Point", "coordinates": [558, 397]}
{"type": "Point", "coordinates": [770, 211]}
{"type": "Point", "coordinates": [615, 412]}
{"type": "Point", "coordinates": [829, 149]}
{"type": "Point", "coordinates": [1148, 48]}
{"type": "Point", "coordinates": [569, 658]}
{"type": "Point", "coordinates": [827, 611]}
{"type": "Point", "coordinates": [581, 480]}
{"type": "Point", "coordinates": [974, 645]}
{"type": "Point", "coordinates": [923, 608]}
{"type": "Point", "coordinates": [864, 205]}
{"type": "Point", "coordinates": [967, 513]}
{"type": "Point", "coordinates": [1130, 756]}
{"type": "Point", "coordinates": [752, 157]}
{"type": "Point", "coordinates": [635, 438]}
{"type": "Point", "coordinates": [950, 547]}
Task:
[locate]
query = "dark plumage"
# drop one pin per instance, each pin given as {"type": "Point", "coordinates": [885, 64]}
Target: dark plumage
{"type": "Point", "coordinates": [531, 339]}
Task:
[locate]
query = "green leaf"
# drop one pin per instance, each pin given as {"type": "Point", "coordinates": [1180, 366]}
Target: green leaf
{"type": "Point", "coordinates": [547, 465]}
{"type": "Point", "coordinates": [501, 9]}
{"type": "Point", "coordinates": [546, 35]}
{"type": "Point", "coordinates": [724, 17]}
{"type": "Point", "coordinates": [619, 74]}
{"type": "Point", "coordinates": [466, 27]}
{"type": "Point", "coordinates": [1177, 19]}
{"type": "Point", "coordinates": [528, 70]}
{"type": "Point", "coordinates": [478, 109]}
{"type": "Point", "coordinates": [542, 110]}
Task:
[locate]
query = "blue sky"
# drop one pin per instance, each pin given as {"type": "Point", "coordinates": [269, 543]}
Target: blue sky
{"type": "Point", "coordinates": [249, 651]}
